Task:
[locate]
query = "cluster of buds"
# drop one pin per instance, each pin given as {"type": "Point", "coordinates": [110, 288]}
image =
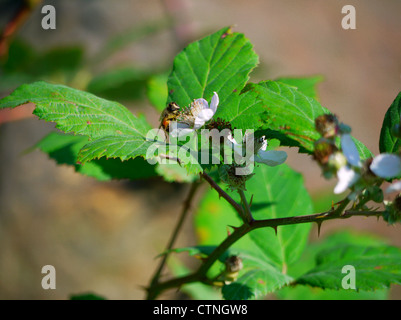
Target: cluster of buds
{"type": "Point", "coordinates": [392, 214]}
{"type": "Point", "coordinates": [326, 153]}
{"type": "Point", "coordinates": [250, 150]}
{"type": "Point", "coordinates": [345, 162]}
{"type": "Point", "coordinates": [229, 175]}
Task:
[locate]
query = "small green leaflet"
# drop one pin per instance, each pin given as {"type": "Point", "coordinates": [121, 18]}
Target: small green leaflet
{"type": "Point", "coordinates": [376, 267]}
{"type": "Point", "coordinates": [388, 142]}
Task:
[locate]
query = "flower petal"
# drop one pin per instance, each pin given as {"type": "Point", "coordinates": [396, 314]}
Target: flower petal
{"type": "Point", "coordinates": [396, 186]}
{"type": "Point", "coordinates": [203, 116]}
{"type": "Point", "coordinates": [386, 165]}
{"type": "Point", "coordinates": [271, 158]}
{"type": "Point", "coordinates": [350, 150]}
{"type": "Point", "coordinates": [346, 178]}
{"type": "Point", "coordinates": [179, 129]}
{"type": "Point", "coordinates": [202, 103]}
{"type": "Point", "coordinates": [230, 137]}
{"type": "Point", "coordinates": [215, 102]}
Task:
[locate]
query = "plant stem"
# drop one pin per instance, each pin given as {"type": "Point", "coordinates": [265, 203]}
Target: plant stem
{"type": "Point", "coordinates": [187, 205]}
{"type": "Point", "coordinates": [222, 193]}
{"type": "Point", "coordinates": [200, 274]}
{"type": "Point", "coordinates": [247, 210]}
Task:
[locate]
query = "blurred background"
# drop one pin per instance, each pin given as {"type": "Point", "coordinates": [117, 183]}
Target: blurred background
{"type": "Point", "coordinates": [104, 236]}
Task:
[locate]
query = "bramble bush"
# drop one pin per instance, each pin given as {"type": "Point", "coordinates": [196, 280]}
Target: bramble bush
{"type": "Point", "coordinates": [253, 224]}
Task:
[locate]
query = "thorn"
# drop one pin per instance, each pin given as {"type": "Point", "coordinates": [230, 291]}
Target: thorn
{"type": "Point", "coordinates": [332, 204]}
{"type": "Point", "coordinates": [275, 229]}
{"type": "Point", "coordinates": [319, 225]}
{"type": "Point", "coordinates": [250, 202]}
{"type": "Point", "coordinates": [235, 228]}
{"type": "Point", "coordinates": [228, 231]}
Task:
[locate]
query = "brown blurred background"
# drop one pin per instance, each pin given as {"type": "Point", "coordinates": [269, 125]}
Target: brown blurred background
{"type": "Point", "coordinates": [104, 236]}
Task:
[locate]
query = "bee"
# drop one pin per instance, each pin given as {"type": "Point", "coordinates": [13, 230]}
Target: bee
{"type": "Point", "coordinates": [170, 113]}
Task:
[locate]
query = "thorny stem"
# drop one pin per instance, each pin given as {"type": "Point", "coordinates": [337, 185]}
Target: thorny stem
{"type": "Point", "coordinates": [200, 274]}
{"type": "Point", "coordinates": [187, 205]}
{"type": "Point", "coordinates": [222, 193]}
{"type": "Point", "coordinates": [247, 210]}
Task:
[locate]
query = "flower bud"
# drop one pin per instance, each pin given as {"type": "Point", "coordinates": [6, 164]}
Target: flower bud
{"type": "Point", "coordinates": [233, 266]}
{"type": "Point", "coordinates": [235, 182]}
{"type": "Point", "coordinates": [324, 148]}
{"type": "Point", "coordinates": [392, 214]}
{"type": "Point", "coordinates": [327, 125]}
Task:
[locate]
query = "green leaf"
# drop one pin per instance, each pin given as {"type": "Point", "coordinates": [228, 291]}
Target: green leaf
{"type": "Point", "coordinates": [376, 267]}
{"type": "Point", "coordinates": [284, 189]}
{"type": "Point", "coordinates": [290, 113]}
{"type": "Point", "coordinates": [115, 131]}
{"type": "Point", "coordinates": [77, 111]}
{"type": "Point", "coordinates": [220, 62]}
{"type": "Point", "coordinates": [266, 257]}
{"type": "Point", "coordinates": [388, 142]}
{"type": "Point", "coordinates": [245, 111]}
{"type": "Point", "coordinates": [308, 293]}
{"type": "Point", "coordinates": [306, 85]}
{"type": "Point", "coordinates": [64, 149]}
{"type": "Point", "coordinates": [290, 116]}
{"type": "Point", "coordinates": [258, 278]}
{"type": "Point", "coordinates": [307, 262]}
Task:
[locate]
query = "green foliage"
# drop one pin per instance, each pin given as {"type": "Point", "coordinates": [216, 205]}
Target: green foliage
{"type": "Point", "coordinates": [376, 267]}
{"type": "Point", "coordinates": [110, 142]}
{"type": "Point", "coordinates": [220, 62]}
{"type": "Point", "coordinates": [306, 85]}
{"type": "Point", "coordinates": [64, 149]}
{"type": "Point", "coordinates": [390, 131]}
{"type": "Point", "coordinates": [266, 256]}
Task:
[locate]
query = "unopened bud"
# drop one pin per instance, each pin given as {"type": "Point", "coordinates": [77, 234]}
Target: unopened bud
{"type": "Point", "coordinates": [327, 125]}
{"type": "Point", "coordinates": [324, 148]}
{"type": "Point", "coordinates": [392, 214]}
{"type": "Point", "coordinates": [337, 160]}
{"type": "Point", "coordinates": [233, 266]}
{"type": "Point", "coordinates": [367, 174]}
{"type": "Point", "coordinates": [235, 182]}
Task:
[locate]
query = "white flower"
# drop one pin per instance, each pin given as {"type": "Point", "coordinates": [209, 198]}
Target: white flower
{"type": "Point", "coordinates": [345, 174]}
{"type": "Point", "coordinates": [350, 150]}
{"type": "Point", "coordinates": [396, 186]}
{"type": "Point", "coordinates": [386, 165]}
{"type": "Point", "coordinates": [195, 116]}
{"type": "Point", "coordinates": [256, 150]}
{"type": "Point", "coordinates": [346, 179]}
